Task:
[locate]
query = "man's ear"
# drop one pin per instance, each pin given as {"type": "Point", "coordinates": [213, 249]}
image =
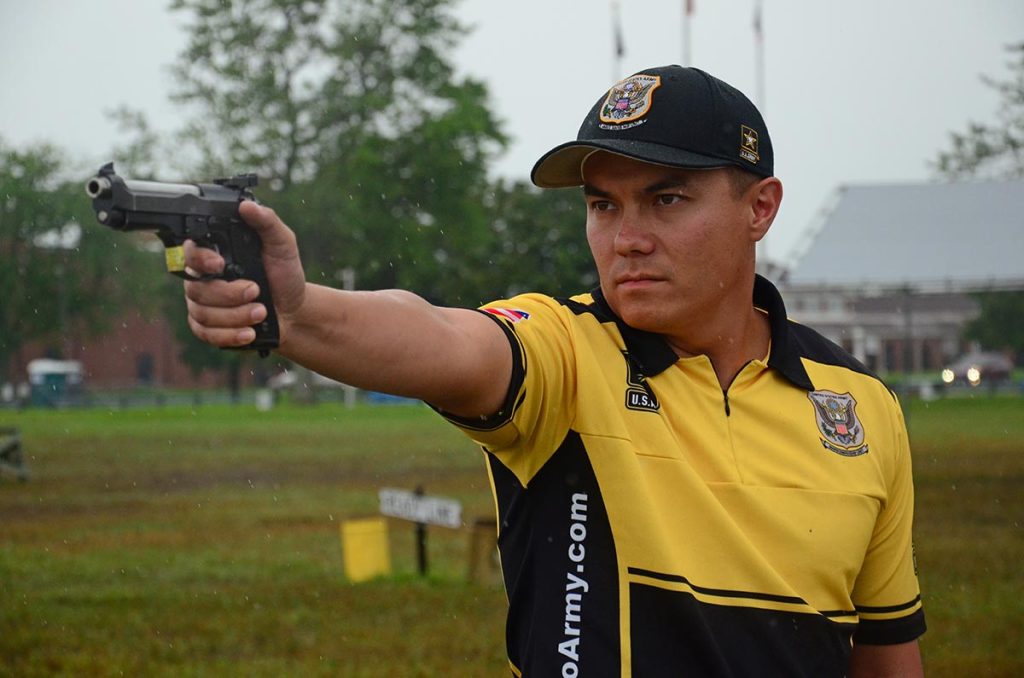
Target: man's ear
{"type": "Point", "coordinates": [765, 198]}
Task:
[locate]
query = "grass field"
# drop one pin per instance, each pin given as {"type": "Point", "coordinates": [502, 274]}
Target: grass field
{"type": "Point", "coordinates": [204, 542]}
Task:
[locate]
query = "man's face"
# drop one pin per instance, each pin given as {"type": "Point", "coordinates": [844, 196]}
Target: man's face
{"type": "Point", "coordinates": [670, 245]}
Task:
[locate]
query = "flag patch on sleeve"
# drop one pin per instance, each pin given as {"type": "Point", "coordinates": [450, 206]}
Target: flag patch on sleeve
{"type": "Point", "coordinates": [513, 315]}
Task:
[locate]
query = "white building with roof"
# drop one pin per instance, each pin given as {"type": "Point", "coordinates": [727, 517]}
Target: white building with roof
{"type": "Point", "coordinates": [887, 270]}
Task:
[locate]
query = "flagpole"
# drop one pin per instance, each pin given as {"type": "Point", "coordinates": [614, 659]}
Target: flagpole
{"type": "Point", "coordinates": [762, 246]}
{"type": "Point", "coordinates": [619, 44]}
{"type": "Point", "coordinates": [687, 11]}
{"type": "Point", "coordinates": [759, 54]}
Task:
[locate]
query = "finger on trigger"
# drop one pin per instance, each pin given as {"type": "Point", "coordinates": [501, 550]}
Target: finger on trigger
{"type": "Point", "coordinates": [202, 260]}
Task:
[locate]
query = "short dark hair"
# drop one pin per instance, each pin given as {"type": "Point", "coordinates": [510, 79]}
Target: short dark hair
{"type": "Point", "coordinates": [740, 180]}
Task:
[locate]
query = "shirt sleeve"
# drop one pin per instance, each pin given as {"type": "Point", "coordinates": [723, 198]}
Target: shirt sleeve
{"type": "Point", "coordinates": [886, 593]}
{"type": "Point", "coordinates": [540, 405]}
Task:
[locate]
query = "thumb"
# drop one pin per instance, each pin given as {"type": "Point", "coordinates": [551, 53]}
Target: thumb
{"type": "Point", "coordinates": [278, 240]}
{"type": "Point", "coordinates": [280, 255]}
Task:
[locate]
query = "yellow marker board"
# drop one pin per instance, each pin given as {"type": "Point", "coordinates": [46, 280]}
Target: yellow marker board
{"type": "Point", "coordinates": [364, 548]}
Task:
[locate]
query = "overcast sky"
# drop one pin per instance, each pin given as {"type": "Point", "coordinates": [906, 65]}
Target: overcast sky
{"type": "Point", "coordinates": [861, 91]}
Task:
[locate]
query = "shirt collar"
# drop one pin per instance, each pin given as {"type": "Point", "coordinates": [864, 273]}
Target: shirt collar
{"type": "Point", "coordinates": [653, 354]}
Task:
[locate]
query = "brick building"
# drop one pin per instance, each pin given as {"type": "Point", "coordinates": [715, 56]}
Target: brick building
{"type": "Point", "coordinates": [138, 351]}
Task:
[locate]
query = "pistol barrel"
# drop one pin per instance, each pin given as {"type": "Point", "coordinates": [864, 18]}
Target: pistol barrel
{"type": "Point", "coordinates": [100, 187]}
{"type": "Point", "coordinates": [97, 187]}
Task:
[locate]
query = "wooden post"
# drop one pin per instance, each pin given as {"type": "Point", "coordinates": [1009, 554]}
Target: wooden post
{"type": "Point", "coordinates": [421, 540]}
{"type": "Point", "coordinates": [422, 511]}
{"type": "Point", "coordinates": [483, 542]}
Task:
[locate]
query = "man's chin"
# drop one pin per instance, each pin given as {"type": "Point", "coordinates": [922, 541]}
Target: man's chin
{"type": "Point", "coordinates": [646, 317]}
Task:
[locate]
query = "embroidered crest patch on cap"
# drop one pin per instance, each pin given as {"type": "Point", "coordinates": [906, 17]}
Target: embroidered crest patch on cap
{"type": "Point", "coordinates": [630, 99]}
{"type": "Point", "coordinates": [840, 429]}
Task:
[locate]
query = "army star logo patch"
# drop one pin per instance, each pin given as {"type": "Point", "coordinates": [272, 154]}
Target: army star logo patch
{"type": "Point", "coordinates": [748, 144]}
{"type": "Point", "coordinates": [841, 431]}
{"type": "Point", "coordinates": [630, 99]}
{"type": "Point", "coordinates": [639, 395]}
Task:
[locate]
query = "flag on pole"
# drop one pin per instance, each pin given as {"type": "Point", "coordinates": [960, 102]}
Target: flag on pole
{"type": "Point", "coordinates": [620, 44]}
{"type": "Point", "coordinates": [758, 32]}
{"type": "Point", "coordinates": [687, 13]}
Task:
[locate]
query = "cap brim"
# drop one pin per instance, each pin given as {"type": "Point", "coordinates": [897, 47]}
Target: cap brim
{"type": "Point", "coordinates": [562, 166]}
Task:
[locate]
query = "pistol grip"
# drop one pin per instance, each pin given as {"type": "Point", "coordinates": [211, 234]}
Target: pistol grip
{"type": "Point", "coordinates": [267, 331]}
{"type": "Point", "coordinates": [243, 258]}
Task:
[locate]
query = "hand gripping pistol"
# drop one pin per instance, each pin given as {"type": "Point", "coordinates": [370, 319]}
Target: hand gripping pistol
{"type": "Point", "coordinates": [204, 213]}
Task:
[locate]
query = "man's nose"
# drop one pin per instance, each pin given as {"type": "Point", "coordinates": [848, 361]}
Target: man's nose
{"type": "Point", "coordinates": [633, 237]}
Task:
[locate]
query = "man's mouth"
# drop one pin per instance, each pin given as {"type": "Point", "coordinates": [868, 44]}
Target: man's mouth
{"type": "Point", "coordinates": [635, 280]}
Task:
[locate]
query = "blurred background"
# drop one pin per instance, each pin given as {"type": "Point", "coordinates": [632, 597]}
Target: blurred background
{"type": "Point", "coordinates": [396, 138]}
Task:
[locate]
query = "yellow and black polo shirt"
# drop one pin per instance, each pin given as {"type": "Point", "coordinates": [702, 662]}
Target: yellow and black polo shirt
{"type": "Point", "coordinates": [651, 524]}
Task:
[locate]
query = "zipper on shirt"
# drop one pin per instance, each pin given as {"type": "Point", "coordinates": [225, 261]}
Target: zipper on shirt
{"type": "Point", "coordinates": [725, 391]}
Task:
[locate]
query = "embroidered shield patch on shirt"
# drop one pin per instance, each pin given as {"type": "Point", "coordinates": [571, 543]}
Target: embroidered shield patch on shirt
{"type": "Point", "coordinates": [841, 431]}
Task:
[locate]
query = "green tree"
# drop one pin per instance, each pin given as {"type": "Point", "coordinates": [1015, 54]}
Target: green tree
{"type": "Point", "coordinates": [63, 276]}
{"type": "Point", "coordinates": [144, 154]}
{"type": "Point", "coordinates": [406, 211]}
{"type": "Point", "coordinates": [540, 242]}
{"type": "Point", "coordinates": [140, 150]}
{"type": "Point", "coordinates": [291, 89]}
{"type": "Point", "coordinates": [364, 139]}
{"type": "Point", "coordinates": [994, 151]}
{"type": "Point", "coordinates": [1000, 325]}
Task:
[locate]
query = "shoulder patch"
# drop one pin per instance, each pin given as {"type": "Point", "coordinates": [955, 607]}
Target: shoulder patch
{"type": "Point", "coordinates": [513, 315]}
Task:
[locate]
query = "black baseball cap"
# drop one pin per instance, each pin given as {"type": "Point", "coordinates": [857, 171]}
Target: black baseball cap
{"type": "Point", "coordinates": [675, 116]}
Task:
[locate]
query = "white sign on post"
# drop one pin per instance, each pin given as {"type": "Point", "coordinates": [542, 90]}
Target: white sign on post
{"type": "Point", "coordinates": [420, 509]}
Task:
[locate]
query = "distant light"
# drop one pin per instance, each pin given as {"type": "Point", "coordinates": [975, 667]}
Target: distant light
{"type": "Point", "coordinates": [974, 376]}
{"type": "Point", "coordinates": [948, 376]}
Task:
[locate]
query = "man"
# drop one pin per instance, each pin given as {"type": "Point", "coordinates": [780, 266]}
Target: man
{"type": "Point", "coordinates": [686, 482]}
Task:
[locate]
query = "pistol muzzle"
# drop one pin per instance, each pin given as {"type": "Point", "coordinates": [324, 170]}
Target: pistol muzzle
{"type": "Point", "coordinates": [98, 187]}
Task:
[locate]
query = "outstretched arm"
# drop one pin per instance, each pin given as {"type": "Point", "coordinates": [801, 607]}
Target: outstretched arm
{"type": "Point", "coordinates": [391, 341]}
{"type": "Point", "coordinates": [902, 660]}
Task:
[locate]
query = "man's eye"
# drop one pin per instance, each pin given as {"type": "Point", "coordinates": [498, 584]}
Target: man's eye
{"type": "Point", "coordinates": [601, 205]}
{"type": "Point", "coordinates": [669, 199]}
